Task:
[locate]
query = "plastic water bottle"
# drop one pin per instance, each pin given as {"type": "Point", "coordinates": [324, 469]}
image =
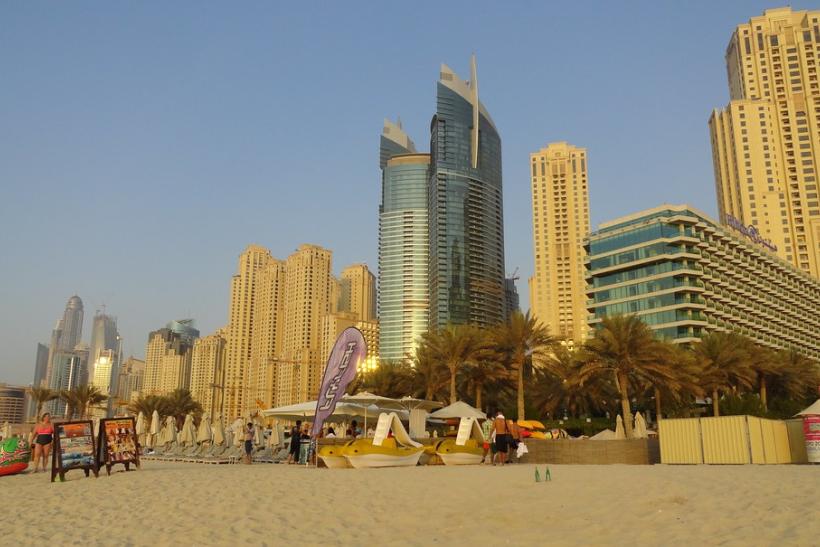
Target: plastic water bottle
{"type": "Point", "coordinates": [537, 475]}
{"type": "Point", "coordinates": [547, 476]}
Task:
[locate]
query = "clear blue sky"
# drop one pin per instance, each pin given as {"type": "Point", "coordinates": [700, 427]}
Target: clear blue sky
{"type": "Point", "coordinates": [144, 144]}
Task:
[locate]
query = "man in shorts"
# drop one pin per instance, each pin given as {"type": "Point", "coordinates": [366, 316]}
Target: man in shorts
{"type": "Point", "coordinates": [502, 437]}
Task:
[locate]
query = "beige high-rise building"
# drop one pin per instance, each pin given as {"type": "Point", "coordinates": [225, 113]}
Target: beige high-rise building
{"type": "Point", "coordinates": [332, 326]}
{"type": "Point", "coordinates": [357, 294]}
{"type": "Point", "coordinates": [307, 301]}
{"type": "Point", "coordinates": [207, 371]}
{"type": "Point", "coordinates": [167, 363]}
{"type": "Point", "coordinates": [765, 142]}
{"type": "Point", "coordinates": [131, 379]}
{"type": "Point", "coordinates": [560, 218]}
{"type": "Point", "coordinates": [268, 335]}
{"type": "Point", "coordinates": [241, 324]}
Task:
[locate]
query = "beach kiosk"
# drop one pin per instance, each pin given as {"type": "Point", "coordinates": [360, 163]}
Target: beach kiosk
{"type": "Point", "coordinates": [811, 430]}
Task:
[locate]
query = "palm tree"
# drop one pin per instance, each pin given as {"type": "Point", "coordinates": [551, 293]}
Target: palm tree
{"type": "Point", "coordinates": [798, 378]}
{"type": "Point", "coordinates": [428, 375]}
{"type": "Point", "coordinates": [388, 379]}
{"type": "Point", "coordinates": [559, 387]}
{"type": "Point", "coordinates": [41, 395]}
{"type": "Point", "coordinates": [69, 397]}
{"type": "Point", "coordinates": [454, 346]}
{"type": "Point", "coordinates": [147, 404]}
{"type": "Point", "coordinates": [524, 342]}
{"type": "Point", "coordinates": [766, 365]}
{"type": "Point", "coordinates": [625, 347]}
{"type": "Point", "coordinates": [486, 370]}
{"type": "Point", "coordinates": [683, 385]}
{"type": "Point", "coordinates": [726, 364]}
{"type": "Point", "coordinates": [84, 398]}
{"type": "Point", "coordinates": [180, 402]}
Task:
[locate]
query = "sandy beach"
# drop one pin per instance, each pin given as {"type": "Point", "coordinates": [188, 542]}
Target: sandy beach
{"type": "Point", "coordinates": [192, 504]}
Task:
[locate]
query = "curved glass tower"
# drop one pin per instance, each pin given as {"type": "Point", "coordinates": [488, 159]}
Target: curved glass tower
{"type": "Point", "coordinates": [466, 272]}
{"type": "Point", "coordinates": [403, 245]}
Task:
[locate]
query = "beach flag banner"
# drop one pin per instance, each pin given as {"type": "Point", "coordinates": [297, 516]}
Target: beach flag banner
{"type": "Point", "coordinates": [350, 350]}
{"type": "Point", "coordinates": [73, 449]}
{"type": "Point", "coordinates": [118, 443]}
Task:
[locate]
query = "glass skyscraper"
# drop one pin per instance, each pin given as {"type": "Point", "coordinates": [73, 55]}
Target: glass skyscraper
{"type": "Point", "coordinates": [403, 245]}
{"type": "Point", "coordinates": [466, 271]}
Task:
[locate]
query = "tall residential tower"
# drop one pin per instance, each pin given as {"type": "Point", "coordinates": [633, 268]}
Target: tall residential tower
{"type": "Point", "coordinates": [404, 245]}
{"type": "Point", "coordinates": [765, 142]}
{"type": "Point", "coordinates": [560, 221]}
{"type": "Point", "coordinates": [466, 272]}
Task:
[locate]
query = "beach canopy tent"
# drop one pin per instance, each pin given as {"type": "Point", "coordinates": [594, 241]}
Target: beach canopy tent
{"type": "Point", "coordinates": [365, 398]}
{"type": "Point", "coordinates": [459, 409]}
{"type": "Point", "coordinates": [306, 411]}
{"type": "Point", "coordinates": [813, 410]}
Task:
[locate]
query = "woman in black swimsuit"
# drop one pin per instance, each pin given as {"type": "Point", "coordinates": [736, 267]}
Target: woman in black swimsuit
{"type": "Point", "coordinates": [44, 435]}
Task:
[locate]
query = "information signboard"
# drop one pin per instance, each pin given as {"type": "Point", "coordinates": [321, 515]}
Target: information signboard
{"type": "Point", "coordinates": [118, 443]}
{"type": "Point", "coordinates": [74, 448]}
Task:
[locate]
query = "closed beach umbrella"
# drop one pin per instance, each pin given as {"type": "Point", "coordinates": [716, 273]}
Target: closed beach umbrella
{"type": "Point", "coordinates": [275, 437]}
{"type": "Point", "coordinates": [257, 430]}
{"type": "Point", "coordinates": [236, 431]}
{"type": "Point", "coordinates": [6, 431]}
{"type": "Point", "coordinates": [619, 428]}
{"type": "Point", "coordinates": [203, 434]}
{"type": "Point", "coordinates": [169, 432]}
{"type": "Point", "coordinates": [140, 428]}
{"type": "Point", "coordinates": [187, 436]}
{"type": "Point", "coordinates": [640, 426]}
{"type": "Point", "coordinates": [218, 431]}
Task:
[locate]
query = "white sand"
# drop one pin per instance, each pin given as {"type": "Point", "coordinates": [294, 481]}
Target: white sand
{"type": "Point", "coordinates": [195, 504]}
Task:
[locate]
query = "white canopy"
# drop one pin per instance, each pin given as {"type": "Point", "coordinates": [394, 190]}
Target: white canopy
{"type": "Point", "coordinates": [813, 410]}
{"type": "Point", "coordinates": [140, 427]}
{"type": "Point", "coordinates": [411, 403]}
{"type": "Point", "coordinates": [203, 434]}
{"type": "Point", "coordinates": [459, 409]}
{"type": "Point", "coordinates": [301, 411]}
{"type": "Point", "coordinates": [366, 398]}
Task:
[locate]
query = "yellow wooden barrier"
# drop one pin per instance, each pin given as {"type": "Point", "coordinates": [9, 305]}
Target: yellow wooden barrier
{"type": "Point", "coordinates": [730, 440]}
{"type": "Point", "coordinates": [680, 441]}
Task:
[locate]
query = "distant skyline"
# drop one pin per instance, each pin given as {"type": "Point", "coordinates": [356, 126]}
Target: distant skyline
{"type": "Point", "coordinates": [144, 146]}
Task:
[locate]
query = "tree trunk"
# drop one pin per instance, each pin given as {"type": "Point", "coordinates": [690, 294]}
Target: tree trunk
{"type": "Point", "coordinates": [521, 391]}
{"type": "Point", "coordinates": [453, 396]}
{"type": "Point", "coordinates": [478, 387]}
{"type": "Point", "coordinates": [715, 404]}
{"type": "Point", "coordinates": [763, 394]}
{"type": "Point", "coordinates": [625, 409]}
{"type": "Point", "coordinates": [657, 404]}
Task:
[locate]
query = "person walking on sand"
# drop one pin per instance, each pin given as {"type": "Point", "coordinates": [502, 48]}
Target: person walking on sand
{"type": "Point", "coordinates": [295, 439]}
{"type": "Point", "coordinates": [515, 438]}
{"type": "Point", "coordinates": [501, 434]}
{"type": "Point", "coordinates": [43, 437]}
{"type": "Point", "coordinates": [487, 431]}
{"type": "Point", "coordinates": [249, 434]}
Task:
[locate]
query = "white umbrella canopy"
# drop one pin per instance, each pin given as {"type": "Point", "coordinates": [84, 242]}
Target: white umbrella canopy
{"type": "Point", "coordinates": [218, 431]}
{"type": "Point", "coordinates": [365, 398]}
{"type": "Point", "coordinates": [305, 411]}
{"type": "Point", "coordinates": [813, 410]}
{"type": "Point", "coordinates": [203, 434]}
{"type": "Point", "coordinates": [459, 409]}
{"type": "Point", "coordinates": [155, 425]}
{"type": "Point", "coordinates": [258, 428]}
{"type": "Point", "coordinates": [187, 435]}
{"type": "Point", "coordinates": [411, 403]}
{"type": "Point", "coordinates": [640, 427]}
{"type": "Point", "coordinates": [619, 428]}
